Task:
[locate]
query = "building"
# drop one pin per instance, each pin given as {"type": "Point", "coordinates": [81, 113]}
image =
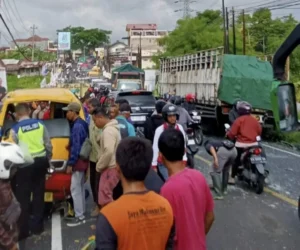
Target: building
{"type": "Point", "coordinates": [21, 67]}
{"type": "Point", "coordinates": [146, 36]}
{"type": "Point", "coordinates": [39, 43]}
{"type": "Point", "coordinates": [119, 53]}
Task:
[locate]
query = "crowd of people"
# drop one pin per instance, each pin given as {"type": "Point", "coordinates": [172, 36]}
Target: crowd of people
{"type": "Point", "coordinates": [145, 196]}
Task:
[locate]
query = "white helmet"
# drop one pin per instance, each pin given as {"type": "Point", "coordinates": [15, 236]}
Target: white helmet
{"type": "Point", "coordinates": [11, 157]}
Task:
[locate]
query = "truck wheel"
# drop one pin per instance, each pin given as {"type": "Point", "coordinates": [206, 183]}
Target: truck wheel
{"type": "Point", "coordinates": [199, 137]}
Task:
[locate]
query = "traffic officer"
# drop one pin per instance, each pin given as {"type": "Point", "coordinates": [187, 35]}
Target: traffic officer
{"type": "Point", "coordinates": [30, 182]}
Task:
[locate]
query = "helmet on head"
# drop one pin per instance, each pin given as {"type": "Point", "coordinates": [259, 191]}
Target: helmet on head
{"type": "Point", "coordinates": [159, 106]}
{"type": "Point", "coordinates": [177, 100]}
{"type": "Point", "coordinates": [172, 99]}
{"type": "Point", "coordinates": [189, 97]}
{"type": "Point", "coordinates": [244, 108]}
{"type": "Point", "coordinates": [11, 157]}
{"type": "Point", "coordinates": [169, 109]}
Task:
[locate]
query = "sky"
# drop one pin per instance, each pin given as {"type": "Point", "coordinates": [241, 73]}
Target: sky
{"type": "Point", "coordinates": [50, 15]}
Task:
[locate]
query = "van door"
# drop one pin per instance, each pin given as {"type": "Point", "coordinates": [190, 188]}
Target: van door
{"type": "Point", "coordinates": [59, 132]}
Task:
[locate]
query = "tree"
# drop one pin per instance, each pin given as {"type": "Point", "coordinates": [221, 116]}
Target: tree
{"type": "Point", "coordinates": [88, 38]}
{"type": "Point", "coordinates": [39, 55]}
{"type": "Point", "coordinates": [264, 35]}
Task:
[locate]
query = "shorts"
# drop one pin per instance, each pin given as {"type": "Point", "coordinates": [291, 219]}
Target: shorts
{"type": "Point", "coordinates": [108, 181]}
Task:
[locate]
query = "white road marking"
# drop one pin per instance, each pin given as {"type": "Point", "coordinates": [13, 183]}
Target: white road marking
{"type": "Point", "coordinates": [56, 236]}
{"type": "Point", "coordinates": [281, 150]}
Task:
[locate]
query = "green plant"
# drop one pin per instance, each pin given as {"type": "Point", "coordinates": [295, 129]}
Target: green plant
{"type": "Point", "coordinates": [28, 82]}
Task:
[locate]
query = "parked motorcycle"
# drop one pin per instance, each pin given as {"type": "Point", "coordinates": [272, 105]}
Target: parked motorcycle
{"type": "Point", "coordinates": [253, 166]}
{"type": "Point", "coordinates": [191, 148]}
{"type": "Point", "coordinates": [196, 126]}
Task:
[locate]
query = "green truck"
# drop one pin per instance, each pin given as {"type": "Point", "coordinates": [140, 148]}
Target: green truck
{"type": "Point", "coordinates": [218, 80]}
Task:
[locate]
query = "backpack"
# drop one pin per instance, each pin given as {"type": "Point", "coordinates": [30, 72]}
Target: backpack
{"type": "Point", "coordinates": [123, 128]}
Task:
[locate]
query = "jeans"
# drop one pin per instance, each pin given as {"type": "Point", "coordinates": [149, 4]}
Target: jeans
{"type": "Point", "coordinates": [78, 193]}
{"type": "Point", "coordinates": [163, 171]}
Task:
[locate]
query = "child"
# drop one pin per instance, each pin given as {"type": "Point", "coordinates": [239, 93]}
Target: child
{"type": "Point", "coordinates": [11, 157]}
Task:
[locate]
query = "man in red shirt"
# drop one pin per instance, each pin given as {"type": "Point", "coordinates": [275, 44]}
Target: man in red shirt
{"type": "Point", "coordinates": [244, 130]}
{"type": "Point", "coordinates": [188, 193]}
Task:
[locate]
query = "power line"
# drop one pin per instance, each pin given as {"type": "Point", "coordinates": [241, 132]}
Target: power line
{"type": "Point", "coordinates": [18, 16]}
{"type": "Point", "coordinates": [10, 20]}
{"type": "Point", "coordinates": [11, 35]}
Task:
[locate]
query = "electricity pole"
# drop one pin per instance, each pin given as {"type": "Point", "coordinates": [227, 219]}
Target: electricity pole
{"type": "Point", "coordinates": [33, 34]}
{"type": "Point", "coordinates": [227, 31]}
{"type": "Point", "coordinates": [186, 8]}
{"type": "Point", "coordinates": [244, 34]}
{"type": "Point", "coordinates": [140, 51]}
{"type": "Point", "coordinates": [224, 26]}
{"type": "Point", "coordinates": [233, 32]}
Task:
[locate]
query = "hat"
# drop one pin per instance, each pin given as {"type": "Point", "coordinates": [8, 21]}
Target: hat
{"type": "Point", "coordinates": [73, 106]}
{"type": "Point", "coordinates": [125, 107]}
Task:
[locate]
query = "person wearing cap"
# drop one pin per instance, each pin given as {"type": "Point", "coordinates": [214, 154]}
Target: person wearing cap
{"type": "Point", "coordinates": [77, 166]}
{"type": "Point", "coordinates": [124, 115]}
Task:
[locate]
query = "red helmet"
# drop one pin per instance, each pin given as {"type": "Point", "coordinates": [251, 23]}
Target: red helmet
{"type": "Point", "coordinates": [190, 97]}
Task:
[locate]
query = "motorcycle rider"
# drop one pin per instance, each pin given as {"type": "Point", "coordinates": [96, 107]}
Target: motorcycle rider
{"type": "Point", "coordinates": [156, 120]}
{"type": "Point", "coordinates": [184, 117]}
{"type": "Point", "coordinates": [233, 113]}
{"type": "Point", "coordinates": [224, 154]}
{"type": "Point", "coordinates": [11, 157]}
{"type": "Point", "coordinates": [189, 103]}
{"type": "Point", "coordinates": [244, 130]}
{"type": "Point", "coordinates": [170, 116]}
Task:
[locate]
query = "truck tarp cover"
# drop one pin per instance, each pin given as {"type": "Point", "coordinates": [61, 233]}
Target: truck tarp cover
{"type": "Point", "coordinates": [128, 68]}
{"type": "Point", "coordinates": [246, 78]}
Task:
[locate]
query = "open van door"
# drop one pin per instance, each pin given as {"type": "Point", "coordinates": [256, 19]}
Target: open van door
{"type": "Point", "coordinates": [58, 184]}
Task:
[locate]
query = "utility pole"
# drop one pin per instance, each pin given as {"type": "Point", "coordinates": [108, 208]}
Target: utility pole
{"type": "Point", "coordinates": [140, 51]}
{"type": "Point", "coordinates": [33, 34]}
{"type": "Point", "coordinates": [233, 32]}
{"type": "Point", "coordinates": [227, 31]}
{"type": "Point", "coordinates": [224, 26]}
{"type": "Point", "coordinates": [244, 33]}
{"type": "Point", "coordinates": [186, 8]}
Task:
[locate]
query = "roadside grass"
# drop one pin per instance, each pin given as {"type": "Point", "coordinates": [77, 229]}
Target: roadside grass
{"type": "Point", "coordinates": [27, 82]}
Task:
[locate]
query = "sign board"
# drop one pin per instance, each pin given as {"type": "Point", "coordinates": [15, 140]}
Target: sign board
{"type": "Point", "coordinates": [64, 41]}
{"type": "Point", "coordinates": [3, 82]}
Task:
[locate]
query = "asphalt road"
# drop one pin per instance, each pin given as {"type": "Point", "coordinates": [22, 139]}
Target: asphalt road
{"type": "Point", "coordinates": [244, 220]}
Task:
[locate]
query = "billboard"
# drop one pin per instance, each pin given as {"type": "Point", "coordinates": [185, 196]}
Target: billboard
{"type": "Point", "coordinates": [64, 40]}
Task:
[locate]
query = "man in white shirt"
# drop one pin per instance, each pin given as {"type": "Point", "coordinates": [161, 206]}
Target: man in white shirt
{"type": "Point", "coordinates": [170, 115]}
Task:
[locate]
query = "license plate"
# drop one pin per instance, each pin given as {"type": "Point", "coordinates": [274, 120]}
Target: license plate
{"type": "Point", "coordinates": [257, 159]}
{"type": "Point", "coordinates": [48, 197]}
{"type": "Point", "coordinates": [191, 142]}
{"type": "Point", "coordinates": [138, 118]}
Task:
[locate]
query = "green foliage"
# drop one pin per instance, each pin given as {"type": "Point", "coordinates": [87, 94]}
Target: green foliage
{"type": "Point", "coordinates": [90, 38]}
{"type": "Point", "coordinates": [264, 35]}
{"type": "Point", "coordinates": [28, 82]}
{"type": "Point", "coordinates": [38, 54]}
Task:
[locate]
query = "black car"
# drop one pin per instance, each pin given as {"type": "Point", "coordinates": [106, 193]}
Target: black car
{"type": "Point", "coordinates": [142, 104]}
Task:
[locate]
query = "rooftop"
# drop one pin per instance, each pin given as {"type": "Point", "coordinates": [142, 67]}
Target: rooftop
{"type": "Point", "coordinates": [51, 94]}
{"type": "Point", "coordinates": [33, 38]}
{"type": "Point", "coordinates": [151, 26]}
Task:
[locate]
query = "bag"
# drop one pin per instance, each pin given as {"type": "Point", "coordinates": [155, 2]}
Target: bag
{"type": "Point", "coordinates": [228, 144]}
{"type": "Point", "coordinates": [85, 150]}
{"type": "Point", "coordinates": [81, 165]}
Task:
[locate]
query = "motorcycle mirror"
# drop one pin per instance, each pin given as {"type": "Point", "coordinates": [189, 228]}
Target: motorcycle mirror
{"type": "Point", "coordinates": [258, 138]}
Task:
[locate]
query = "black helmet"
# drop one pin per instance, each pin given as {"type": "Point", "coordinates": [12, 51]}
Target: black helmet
{"type": "Point", "coordinates": [169, 109]}
{"type": "Point", "coordinates": [172, 99]}
{"type": "Point", "coordinates": [177, 100]}
{"type": "Point", "coordinates": [159, 106]}
{"type": "Point", "coordinates": [244, 108]}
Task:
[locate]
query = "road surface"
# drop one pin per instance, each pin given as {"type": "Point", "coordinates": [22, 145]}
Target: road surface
{"type": "Point", "coordinates": [244, 220]}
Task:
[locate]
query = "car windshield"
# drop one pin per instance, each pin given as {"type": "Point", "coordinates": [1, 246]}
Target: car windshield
{"type": "Point", "coordinates": [129, 86]}
{"type": "Point", "coordinates": [139, 100]}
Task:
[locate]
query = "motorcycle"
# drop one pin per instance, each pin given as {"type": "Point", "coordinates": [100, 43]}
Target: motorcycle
{"type": "Point", "coordinates": [191, 148]}
{"type": "Point", "coordinates": [253, 166]}
{"type": "Point", "coordinates": [197, 129]}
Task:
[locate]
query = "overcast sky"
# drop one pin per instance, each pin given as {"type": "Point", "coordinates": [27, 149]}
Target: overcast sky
{"type": "Point", "coordinates": [50, 15]}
